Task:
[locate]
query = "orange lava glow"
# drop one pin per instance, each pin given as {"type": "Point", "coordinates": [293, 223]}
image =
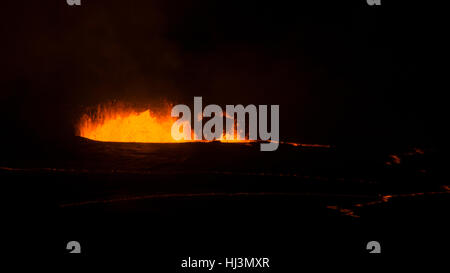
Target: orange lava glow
{"type": "Point", "coordinates": [116, 123]}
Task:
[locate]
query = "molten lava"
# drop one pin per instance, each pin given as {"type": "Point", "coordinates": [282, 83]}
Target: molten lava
{"type": "Point", "coordinates": [117, 123]}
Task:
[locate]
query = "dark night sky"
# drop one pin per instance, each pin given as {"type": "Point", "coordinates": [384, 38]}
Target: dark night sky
{"type": "Point", "coordinates": [342, 71]}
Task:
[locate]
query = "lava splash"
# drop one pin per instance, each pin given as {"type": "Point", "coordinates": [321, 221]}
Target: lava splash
{"type": "Point", "coordinates": [115, 122]}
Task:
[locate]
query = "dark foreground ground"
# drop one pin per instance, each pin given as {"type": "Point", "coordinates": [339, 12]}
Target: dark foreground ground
{"type": "Point", "coordinates": [161, 203]}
